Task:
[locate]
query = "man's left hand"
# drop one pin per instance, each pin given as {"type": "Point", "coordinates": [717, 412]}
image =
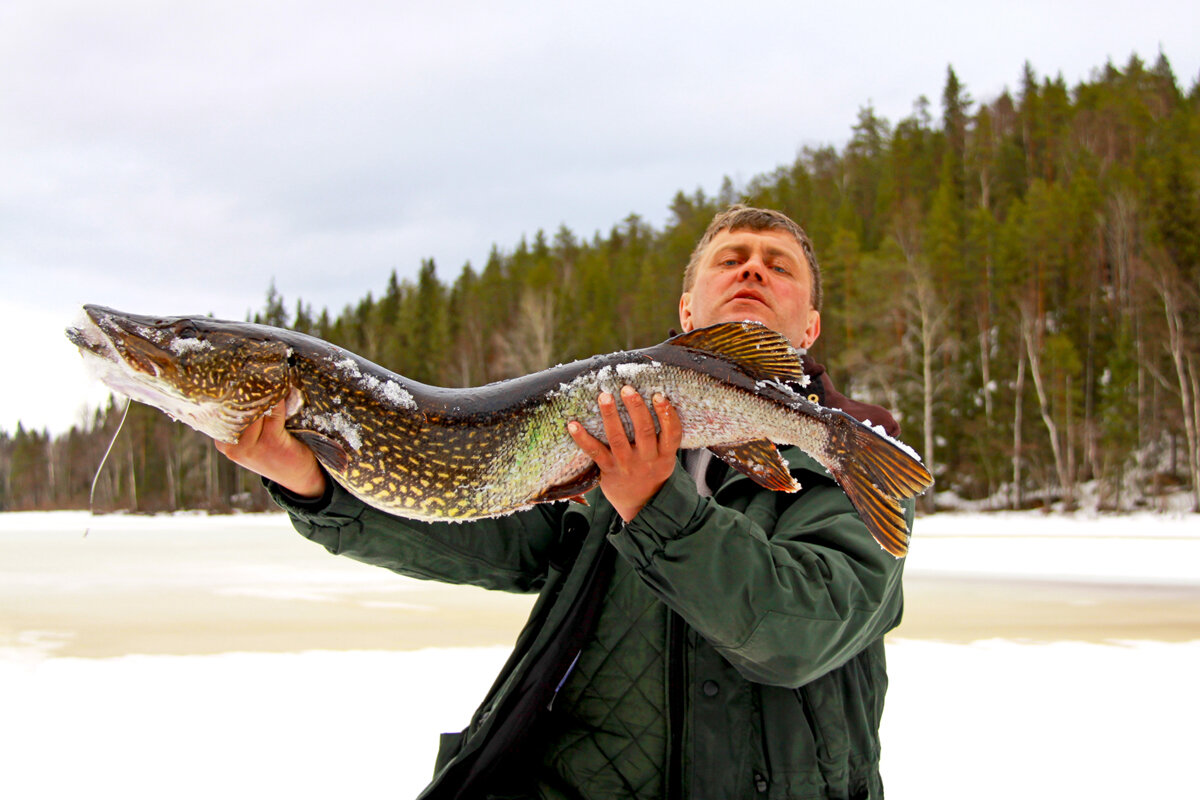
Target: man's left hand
{"type": "Point", "coordinates": [632, 472]}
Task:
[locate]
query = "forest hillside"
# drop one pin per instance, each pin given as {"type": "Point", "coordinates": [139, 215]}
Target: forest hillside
{"type": "Point", "coordinates": [1017, 277]}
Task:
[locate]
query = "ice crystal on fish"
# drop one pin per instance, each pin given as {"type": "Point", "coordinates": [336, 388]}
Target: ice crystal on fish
{"type": "Point", "coordinates": [883, 434]}
{"type": "Point", "coordinates": [397, 394]}
{"type": "Point", "coordinates": [339, 423]}
{"type": "Point", "coordinates": [348, 366]}
{"type": "Point", "coordinates": [181, 346]}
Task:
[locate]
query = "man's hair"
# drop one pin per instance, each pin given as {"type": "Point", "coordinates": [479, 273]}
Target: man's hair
{"type": "Point", "coordinates": [739, 217]}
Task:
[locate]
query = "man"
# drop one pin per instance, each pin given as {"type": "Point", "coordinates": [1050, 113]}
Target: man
{"type": "Point", "coordinates": [695, 634]}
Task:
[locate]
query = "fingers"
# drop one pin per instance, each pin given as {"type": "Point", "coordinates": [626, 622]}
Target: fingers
{"type": "Point", "coordinates": [670, 434]}
{"type": "Point", "coordinates": [645, 437]}
{"type": "Point", "coordinates": [595, 449]}
{"type": "Point", "coordinates": [631, 472]}
{"type": "Point", "coordinates": [648, 442]}
{"type": "Point", "coordinates": [246, 441]}
{"type": "Point", "coordinates": [273, 421]}
{"type": "Point", "coordinates": [267, 448]}
{"type": "Point", "coordinates": [614, 428]}
{"type": "Point", "coordinates": [267, 429]}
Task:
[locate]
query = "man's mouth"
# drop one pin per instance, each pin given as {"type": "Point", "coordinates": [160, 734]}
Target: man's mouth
{"type": "Point", "coordinates": [747, 295]}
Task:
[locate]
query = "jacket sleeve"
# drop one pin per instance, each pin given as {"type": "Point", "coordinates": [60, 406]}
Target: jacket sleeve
{"type": "Point", "coordinates": [506, 553]}
{"type": "Point", "coordinates": [786, 588]}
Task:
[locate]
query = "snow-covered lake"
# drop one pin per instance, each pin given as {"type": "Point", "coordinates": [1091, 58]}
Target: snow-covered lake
{"type": "Point", "coordinates": [991, 718]}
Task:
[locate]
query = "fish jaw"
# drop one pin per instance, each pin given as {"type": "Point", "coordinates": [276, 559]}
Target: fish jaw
{"type": "Point", "coordinates": [144, 360]}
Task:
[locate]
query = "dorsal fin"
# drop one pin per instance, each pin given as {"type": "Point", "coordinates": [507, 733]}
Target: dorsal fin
{"type": "Point", "coordinates": [762, 353]}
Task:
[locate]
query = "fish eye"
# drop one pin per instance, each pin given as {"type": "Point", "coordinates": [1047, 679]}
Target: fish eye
{"type": "Point", "coordinates": [186, 329]}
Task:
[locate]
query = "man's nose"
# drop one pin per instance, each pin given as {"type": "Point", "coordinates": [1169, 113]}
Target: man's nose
{"type": "Point", "coordinates": [753, 270]}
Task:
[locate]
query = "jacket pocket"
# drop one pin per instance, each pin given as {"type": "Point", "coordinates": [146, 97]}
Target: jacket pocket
{"type": "Point", "coordinates": [789, 738]}
{"type": "Point", "coordinates": [821, 740]}
{"type": "Point", "coordinates": [828, 735]}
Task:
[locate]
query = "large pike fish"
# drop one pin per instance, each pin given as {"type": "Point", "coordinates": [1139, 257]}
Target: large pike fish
{"type": "Point", "coordinates": [430, 453]}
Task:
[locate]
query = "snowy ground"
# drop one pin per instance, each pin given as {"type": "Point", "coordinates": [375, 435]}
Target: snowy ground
{"type": "Point", "coordinates": [994, 718]}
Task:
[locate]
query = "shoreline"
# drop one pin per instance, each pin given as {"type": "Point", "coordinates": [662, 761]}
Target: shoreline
{"type": "Point", "coordinates": [196, 585]}
{"type": "Point", "coordinates": [946, 609]}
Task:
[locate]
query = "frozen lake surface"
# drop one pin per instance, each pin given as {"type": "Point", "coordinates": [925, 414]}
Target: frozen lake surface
{"type": "Point", "coordinates": [195, 657]}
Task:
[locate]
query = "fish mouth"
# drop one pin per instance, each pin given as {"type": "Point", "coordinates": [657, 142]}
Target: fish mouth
{"type": "Point", "coordinates": [184, 367]}
{"type": "Point", "coordinates": [87, 337]}
{"type": "Point", "coordinates": [134, 356]}
{"type": "Point", "coordinates": [116, 350]}
{"type": "Point", "coordinates": [121, 338]}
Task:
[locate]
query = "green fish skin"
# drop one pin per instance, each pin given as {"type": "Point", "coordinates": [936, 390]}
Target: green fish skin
{"type": "Point", "coordinates": [434, 453]}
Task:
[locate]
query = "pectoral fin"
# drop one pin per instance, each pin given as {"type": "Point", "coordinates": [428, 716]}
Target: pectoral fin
{"type": "Point", "coordinates": [572, 489]}
{"type": "Point", "coordinates": [328, 451]}
{"type": "Point", "coordinates": [759, 460]}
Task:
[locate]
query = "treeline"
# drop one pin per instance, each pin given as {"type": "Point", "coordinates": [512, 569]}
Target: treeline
{"type": "Point", "coordinates": [1019, 279]}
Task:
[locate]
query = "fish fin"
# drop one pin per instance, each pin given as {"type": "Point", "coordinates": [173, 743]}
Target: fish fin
{"type": "Point", "coordinates": [328, 451]}
{"type": "Point", "coordinates": [875, 474]}
{"type": "Point", "coordinates": [762, 353]}
{"type": "Point", "coordinates": [572, 489]}
{"type": "Point", "coordinates": [760, 461]}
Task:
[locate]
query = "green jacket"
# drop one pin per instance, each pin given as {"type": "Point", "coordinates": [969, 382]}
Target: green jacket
{"type": "Point", "coordinates": [745, 660]}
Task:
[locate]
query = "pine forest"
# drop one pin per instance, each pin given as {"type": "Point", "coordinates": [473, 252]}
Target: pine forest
{"type": "Point", "coordinates": [1017, 278]}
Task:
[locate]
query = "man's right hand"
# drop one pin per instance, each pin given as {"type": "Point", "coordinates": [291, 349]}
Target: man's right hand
{"type": "Point", "coordinates": [269, 450]}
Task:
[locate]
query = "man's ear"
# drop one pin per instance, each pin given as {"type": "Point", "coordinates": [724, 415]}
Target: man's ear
{"type": "Point", "coordinates": [812, 330]}
{"type": "Point", "coordinates": [685, 312]}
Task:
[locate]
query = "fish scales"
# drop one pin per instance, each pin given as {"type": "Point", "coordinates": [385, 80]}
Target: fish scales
{"type": "Point", "coordinates": [711, 413]}
{"type": "Point", "coordinates": [434, 453]}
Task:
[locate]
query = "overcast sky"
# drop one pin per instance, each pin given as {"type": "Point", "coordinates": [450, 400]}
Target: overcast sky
{"type": "Point", "coordinates": [174, 157]}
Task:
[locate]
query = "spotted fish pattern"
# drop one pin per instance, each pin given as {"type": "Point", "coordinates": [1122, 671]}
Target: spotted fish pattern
{"type": "Point", "coordinates": [434, 453]}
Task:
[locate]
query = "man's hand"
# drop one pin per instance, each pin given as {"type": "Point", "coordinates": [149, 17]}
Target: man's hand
{"type": "Point", "coordinates": [632, 472]}
{"type": "Point", "coordinates": [269, 450]}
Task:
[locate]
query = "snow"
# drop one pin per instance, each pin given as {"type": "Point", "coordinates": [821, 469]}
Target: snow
{"type": "Point", "coordinates": [398, 396]}
{"type": "Point", "coordinates": [341, 424]}
{"type": "Point", "coordinates": [1128, 549]}
{"type": "Point", "coordinates": [347, 365]}
{"type": "Point", "coordinates": [992, 719]}
{"type": "Point", "coordinates": [883, 434]}
{"type": "Point", "coordinates": [632, 371]}
{"type": "Point", "coordinates": [238, 725]}
{"type": "Point", "coordinates": [182, 346]}
{"type": "Point", "coordinates": [1001, 720]}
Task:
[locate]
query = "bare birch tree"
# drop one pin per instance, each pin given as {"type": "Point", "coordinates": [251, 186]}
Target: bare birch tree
{"type": "Point", "coordinates": [928, 341]}
{"type": "Point", "coordinates": [528, 345]}
{"type": "Point", "coordinates": [1174, 294]}
{"type": "Point", "coordinates": [1033, 330]}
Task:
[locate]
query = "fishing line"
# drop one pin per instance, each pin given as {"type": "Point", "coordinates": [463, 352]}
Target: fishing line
{"type": "Point", "coordinates": [96, 480]}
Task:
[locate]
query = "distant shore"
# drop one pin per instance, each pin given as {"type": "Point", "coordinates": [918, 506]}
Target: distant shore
{"type": "Point", "coordinates": [192, 585]}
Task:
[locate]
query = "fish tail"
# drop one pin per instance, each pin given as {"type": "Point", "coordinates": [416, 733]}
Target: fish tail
{"type": "Point", "coordinates": [876, 474]}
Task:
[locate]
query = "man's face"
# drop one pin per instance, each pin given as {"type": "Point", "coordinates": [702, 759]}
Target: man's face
{"type": "Point", "coordinates": [753, 275]}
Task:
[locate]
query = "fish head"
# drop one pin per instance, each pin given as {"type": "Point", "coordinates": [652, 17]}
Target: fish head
{"type": "Point", "coordinates": [215, 376]}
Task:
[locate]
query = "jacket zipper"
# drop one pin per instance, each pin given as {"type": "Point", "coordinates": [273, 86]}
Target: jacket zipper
{"type": "Point", "coordinates": [676, 700]}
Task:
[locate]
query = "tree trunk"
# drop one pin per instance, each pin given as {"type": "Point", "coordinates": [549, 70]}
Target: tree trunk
{"type": "Point", "coordinates": [1030, 332]}
{"type": "Point", "coordinates": [1185, 374]}
{"type": "Point", "coordinates": [1018, 421]}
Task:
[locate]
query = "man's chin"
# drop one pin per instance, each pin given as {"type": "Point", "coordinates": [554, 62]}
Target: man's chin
{"type": "Point", "coordinates": [751, 311]}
